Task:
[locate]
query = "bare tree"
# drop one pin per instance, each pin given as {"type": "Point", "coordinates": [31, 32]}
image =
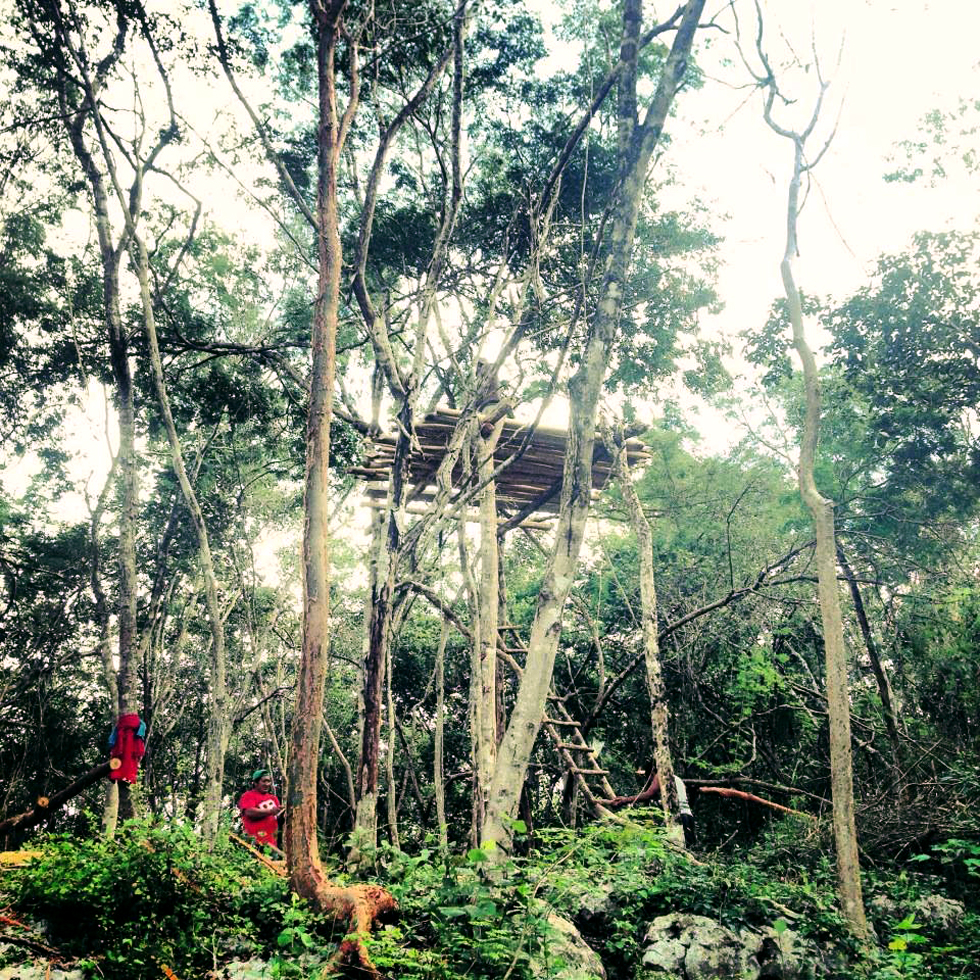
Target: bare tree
{"type": "Point", "coordinates": [821, 509]}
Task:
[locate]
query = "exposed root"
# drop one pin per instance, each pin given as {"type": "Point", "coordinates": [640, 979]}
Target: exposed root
{"type": "Point", "coordinates": [360, 906]}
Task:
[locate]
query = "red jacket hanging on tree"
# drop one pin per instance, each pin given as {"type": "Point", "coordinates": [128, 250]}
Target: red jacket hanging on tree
{"type": "Point", "coordinates": [126, 748]}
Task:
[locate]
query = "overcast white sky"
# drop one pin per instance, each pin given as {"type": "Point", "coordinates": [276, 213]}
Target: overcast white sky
{"type": "Point", "coordinates": [901, 59]}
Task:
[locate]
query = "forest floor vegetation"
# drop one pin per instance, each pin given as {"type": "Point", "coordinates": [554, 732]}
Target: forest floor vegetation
{"type": "Point", "coordinates": [154, 901]}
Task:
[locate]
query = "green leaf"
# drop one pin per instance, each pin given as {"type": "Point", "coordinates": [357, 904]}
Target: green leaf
{"type": "Point", "coordinates": [780, 926]}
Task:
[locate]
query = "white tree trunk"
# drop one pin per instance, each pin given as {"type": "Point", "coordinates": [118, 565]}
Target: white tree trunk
{"type": "Point", "coordinates": [659, 712]}
{"type": "Point", "coordinates": [637, 143]}
{"type": "Point", "coordinates": [822, 510]}
{"type": "Point", "coordinates": [488, 604]}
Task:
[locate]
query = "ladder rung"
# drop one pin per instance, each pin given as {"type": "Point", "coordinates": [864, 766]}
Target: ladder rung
{"type": "Point", "coordinates": [577, 748]}
{"type": "Point", "coordinates": [514, 649]}
{"type": "Point", "coordinates": [560, 721]}
{"type": "Point", "coordinates": [591, 772]}
{"type": "Point", "coordinates": [555, 697]}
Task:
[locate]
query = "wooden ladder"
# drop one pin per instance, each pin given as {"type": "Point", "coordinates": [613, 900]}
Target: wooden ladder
{"type": "Point", "coordinates": [564, 731]}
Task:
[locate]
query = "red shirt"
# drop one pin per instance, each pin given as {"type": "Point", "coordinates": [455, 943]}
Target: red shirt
{"type": "Point", "coordinates": [264, 830]}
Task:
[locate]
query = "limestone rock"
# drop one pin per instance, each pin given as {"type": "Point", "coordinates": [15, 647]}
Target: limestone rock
{"type": "Point", "coordinates": [938, 916]}
{"type": "Point", "coordinates": [780, 955]}
{"type": "Point", "coordinates": [567, 955]}
{"type": "Point", "coordinates": [595, 905]}
{"type": "Point", "coordinates": [693, 947]}
{"type": "Point", "coordinates": [253, 969]}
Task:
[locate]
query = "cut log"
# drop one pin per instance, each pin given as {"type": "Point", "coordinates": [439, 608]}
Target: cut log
{"type": "Point", "coordinates": [40, 813]}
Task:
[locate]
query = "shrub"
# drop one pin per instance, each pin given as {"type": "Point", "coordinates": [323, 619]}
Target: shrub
{"type": "Point", "coordinates": [459, 917]}
{"type": "Point", "coordinates": [152, 895]}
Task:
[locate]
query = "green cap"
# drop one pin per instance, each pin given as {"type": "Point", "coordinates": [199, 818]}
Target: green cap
{"type": "Point", "coordinates": [258, 774]}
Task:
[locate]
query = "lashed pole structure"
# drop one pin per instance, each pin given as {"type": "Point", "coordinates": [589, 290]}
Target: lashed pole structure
{"type": "Point", "coordinates": [513, 478]}
{"type": "Point", "coordinates": [528, 463]}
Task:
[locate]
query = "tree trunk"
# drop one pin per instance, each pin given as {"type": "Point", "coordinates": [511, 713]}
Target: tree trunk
{"type": "Point", "coordinates": [392, 799]}
{"type": "Point", "coordinates": [439, 773]}
{"type": "Point", "coordinates": [41, 812]}
{"type": "Point", "coordinates": [485, 640]}
{"type": "Point", "coordinates": [659, 712]}
{"type": "Point", "coordinates": [110, 807]}
{"type": "Point", "coordinates": [636, 145]}
{"type": "Point", "coordinates": [359, 905]}
{"type": "Point", "coordinates": [127, 474]}
{"type": "Point", "coordinates": [881, 677]}
{"type": "Point", "coordinates": [302, 849]}
{"type": "Point", "coordinates": [219, 718]}
{"type": "Point", "coordinates": [822, 510]}
{"type": "Point", "coordinates": [407, 391]}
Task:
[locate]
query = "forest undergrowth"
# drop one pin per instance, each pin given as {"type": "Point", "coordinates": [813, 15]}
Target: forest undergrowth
{"type": "Point", "coordinates": [154, 901]}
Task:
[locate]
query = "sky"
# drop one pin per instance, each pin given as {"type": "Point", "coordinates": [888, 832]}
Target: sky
{"type": "Point", "coordinates": [901, 59]}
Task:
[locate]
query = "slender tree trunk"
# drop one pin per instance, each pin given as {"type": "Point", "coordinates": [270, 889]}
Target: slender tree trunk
{"type": "Point", "coordinates": [365, 805]}
{"type": "Point", "coordinates": [392, 799]}
{"type": "Point", "coordinates": [407, 391]}
{"type": "Point", "coordinates": [127, 474]}
{"type": "Point", "coordinates": [302, 849]}
{"type": "Point", "coordinates": [881, 677]}
{"type": "Point", "coordinates": [822, 510]}
{"type": "Point", "coordinates": [345, 765]}
{"type": "Point", "coordinates": [474, 719]}
{"type": "Point", "coordinates": [439, 773]}
{"type": "Point", "coordinates": [110, 809]}
{"type": "Point", "coordinates": [130, 205]}
{"type": "Point", "coordinates": [659, 712]}
{"type": "Point", "coordinates": [636, 145]}
{"type": "Point", "coordinates": [382, 603]}
{"type": "Point", "coordinates": [488, 606]}
{"type": "Point", "coordinates": [219, 718]}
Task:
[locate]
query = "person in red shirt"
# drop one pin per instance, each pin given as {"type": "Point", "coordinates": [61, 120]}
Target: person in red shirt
{"type": "Point", "coordinates": [260, 809]}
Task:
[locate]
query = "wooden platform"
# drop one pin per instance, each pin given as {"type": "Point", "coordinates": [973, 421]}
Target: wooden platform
{"type": "Point", "coordinates": [535, 459]}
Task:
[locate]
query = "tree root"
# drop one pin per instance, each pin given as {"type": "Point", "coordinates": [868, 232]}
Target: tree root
{"type": "Point", "coordinates": [360, 906]}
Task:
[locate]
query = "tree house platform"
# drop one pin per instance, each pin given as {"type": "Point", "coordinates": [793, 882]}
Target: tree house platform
{"type": "Point", "coordinates": [530, 462]}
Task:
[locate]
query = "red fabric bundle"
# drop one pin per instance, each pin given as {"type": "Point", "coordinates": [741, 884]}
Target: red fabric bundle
{"type": "Point", "coordinates": [127, 749]}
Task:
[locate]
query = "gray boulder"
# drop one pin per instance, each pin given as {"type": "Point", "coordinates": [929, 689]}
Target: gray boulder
{"type": "Point", "coordinates": [938, 916]}
{"type": "Point", "coordinates": [594, 903]}
{"type": "Point", "coordinates": [780, 955]}
{"type": "Point", "coordinates": [253, 969]}
{"type": "Point", "coordinates": [693, 947]}
{"type": "Point", "coordinates": [566, 954]}
{"type": "Point", "coordinates": [39, 969]}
